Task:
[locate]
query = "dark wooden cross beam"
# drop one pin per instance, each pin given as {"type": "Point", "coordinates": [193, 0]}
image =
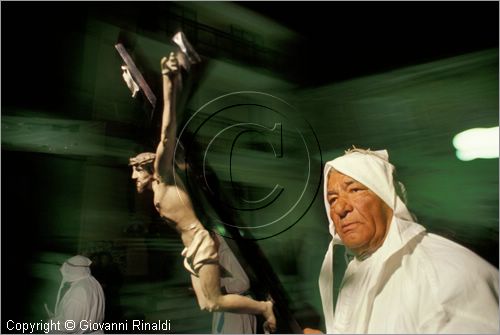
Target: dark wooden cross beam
{"type": "Point", "coordinates": [137, 76]}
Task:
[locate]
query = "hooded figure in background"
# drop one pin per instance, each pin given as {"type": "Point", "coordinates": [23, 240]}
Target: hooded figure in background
{"type": "Point", "coordinates": [83, 300]}
{"type": "Point", "coordinates": [233, 280]}
{"type": "Point", "coordinates": [400, 279]}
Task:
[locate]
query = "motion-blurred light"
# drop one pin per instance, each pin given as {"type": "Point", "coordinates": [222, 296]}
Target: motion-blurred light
{"type": "Point", "coordinates": [476, 143]}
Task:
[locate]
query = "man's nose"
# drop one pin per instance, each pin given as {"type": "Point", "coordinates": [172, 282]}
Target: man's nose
{"type": "Point", "coordinates": [134, 174]}
{"type": "Point", "coordinates": [342, 207]}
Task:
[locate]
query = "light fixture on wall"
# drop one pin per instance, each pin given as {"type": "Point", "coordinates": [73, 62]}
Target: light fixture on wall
{"type": "Point", "coordinates": [476, 143]}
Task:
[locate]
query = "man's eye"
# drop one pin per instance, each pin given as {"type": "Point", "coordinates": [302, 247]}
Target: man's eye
{"type": "Point", "coordinates": [332, 200]}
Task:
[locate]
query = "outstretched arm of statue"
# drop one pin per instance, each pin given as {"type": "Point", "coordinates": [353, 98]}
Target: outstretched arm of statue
{"type": "Point", "coordinates": [163, 164]}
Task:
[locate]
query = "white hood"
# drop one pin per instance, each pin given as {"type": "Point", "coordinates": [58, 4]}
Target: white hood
{"type": "Point", "coordinates": [72, 270]}
{"type": "Point", "coordinates": [371, 168]}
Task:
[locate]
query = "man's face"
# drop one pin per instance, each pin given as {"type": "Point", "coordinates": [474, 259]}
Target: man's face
{"type": "Point", "coordinates": [143, 178]}
{"type": "Point", "coordinates": [361, 218]}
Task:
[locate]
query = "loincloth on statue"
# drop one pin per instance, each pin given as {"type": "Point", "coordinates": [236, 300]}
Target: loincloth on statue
{"type": "Point", "coordinates": [201, 251]}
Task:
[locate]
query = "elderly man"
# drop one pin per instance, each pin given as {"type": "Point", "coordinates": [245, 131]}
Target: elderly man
{"type": "Point", "coordinates": [401, 279]}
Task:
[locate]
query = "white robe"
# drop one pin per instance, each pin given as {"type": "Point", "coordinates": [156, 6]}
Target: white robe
{"type": "Point", "coordinates": [415, 282]}
{"type": "Point", "coordinates": [84, 301]}
{"type": "Point", "coordinates": [418, 283]}
{"type": "Point", "coordinates": [234, 281]}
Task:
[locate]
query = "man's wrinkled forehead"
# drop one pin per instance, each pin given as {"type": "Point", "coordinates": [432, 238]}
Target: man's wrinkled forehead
{"type": "Point", "coordinates": [338, 179]}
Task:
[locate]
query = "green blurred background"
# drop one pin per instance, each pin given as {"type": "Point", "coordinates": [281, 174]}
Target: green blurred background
{"type": "Point", "coordinates": [402, 77]}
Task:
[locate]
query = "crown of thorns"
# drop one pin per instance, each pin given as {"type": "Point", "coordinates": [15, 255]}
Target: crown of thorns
{"type": "Point", "coordinates": [142, 158]}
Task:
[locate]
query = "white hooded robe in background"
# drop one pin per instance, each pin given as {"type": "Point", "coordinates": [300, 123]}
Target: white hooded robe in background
{"type": "Point", "coordinates": [233, 280]}
{"type": "Point", "coordinates": [84, 299]}
{"type": "Point", "coordinates": [415, 282]}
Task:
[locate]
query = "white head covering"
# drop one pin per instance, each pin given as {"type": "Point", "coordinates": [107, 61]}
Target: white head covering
{"type": "Point", "coordinates": [371, 168]}
{"type": "Point", "coordinates": [72, 270]}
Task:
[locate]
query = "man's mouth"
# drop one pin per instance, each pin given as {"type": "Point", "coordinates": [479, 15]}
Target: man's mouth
{"type": "Point", "coordinates": [349, 227]}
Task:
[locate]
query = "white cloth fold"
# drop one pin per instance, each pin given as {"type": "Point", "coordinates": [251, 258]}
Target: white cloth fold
{"type": "Point", "coordinates": [129, 80]}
